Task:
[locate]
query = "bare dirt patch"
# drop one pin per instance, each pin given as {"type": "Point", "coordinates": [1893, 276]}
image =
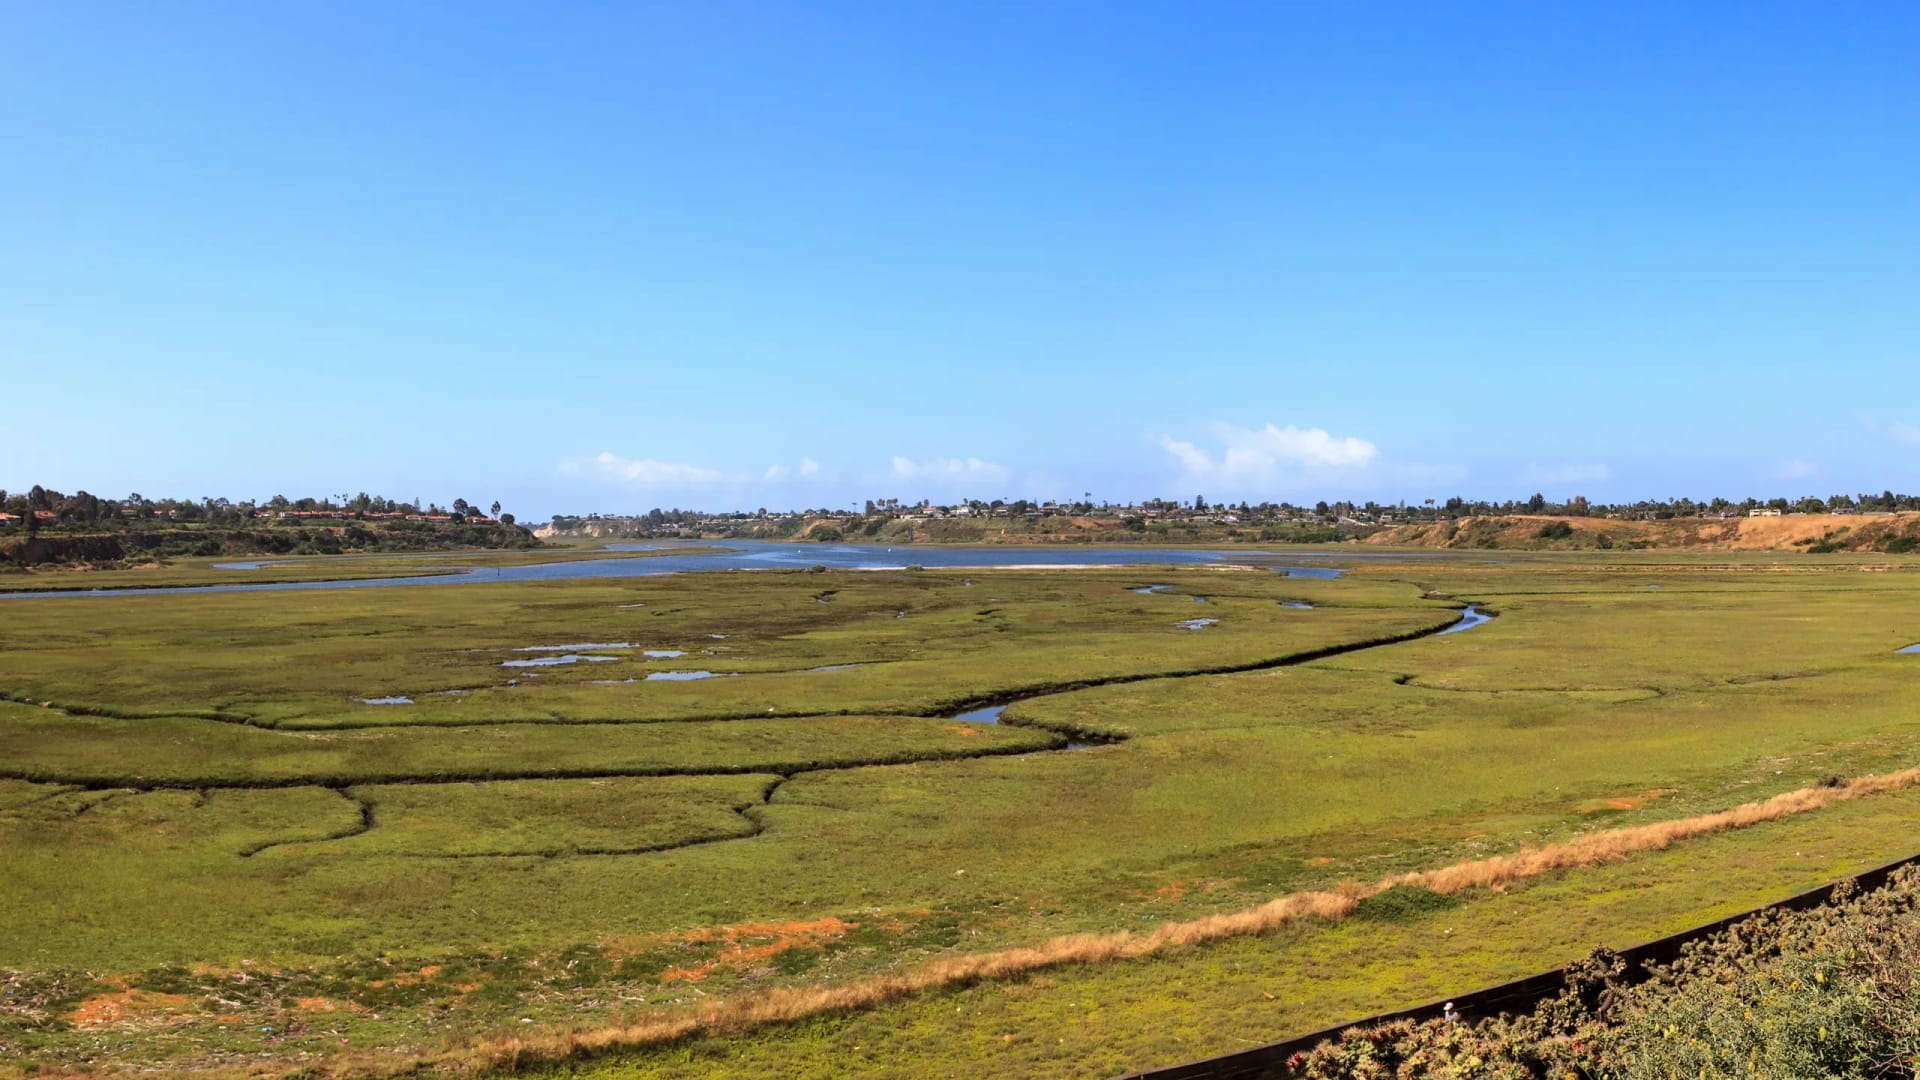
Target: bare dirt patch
{"type": "Point", "coordinates": [746, 944]}
{"type": "Point", "coordinates": [125, 1005]}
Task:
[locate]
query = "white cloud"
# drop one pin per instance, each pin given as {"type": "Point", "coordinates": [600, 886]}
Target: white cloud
{"type": "Point", "coordinates": [947, 469]}
{"type": "Point", "coordinates": [1796, 469]}
{"type": "Point", "coordinates": [806, 470]}
{"type": "Point", "coordinates": [1906, 433]}
{"type": "Point", "coordinates": [1266, 455]}
{"type": "Point", "coordinates": [641, 472]}
{"type": "Point", "coordinates": [1552, 476]}
{"type": "Point", "coordinates": [1191, 458]}
{"type": "Point", "coordinates": [651, 473]}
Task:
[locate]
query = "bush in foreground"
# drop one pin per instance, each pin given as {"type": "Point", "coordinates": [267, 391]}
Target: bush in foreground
{"type": "Point", "coordinates": [1832, 992]}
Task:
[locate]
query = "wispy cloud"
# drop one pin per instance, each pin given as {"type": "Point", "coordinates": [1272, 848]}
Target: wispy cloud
{"type": "Point", "coordinates": [643, 474]}
{"type": "Point", "coordinates": [1240, 456]}
{"type": "Point", "coordinates": [1535, 475]}
{"type": "Point", "coordinates": [1906, 433]}
{"type": "Point", "coordinates": [640, 472]}
{"type": "Point", "coordinates": [808, 469]}
{"type": "Point", "coordinates": [945, 469]}
{"type": "Point", "coordinates": [1797, 469]}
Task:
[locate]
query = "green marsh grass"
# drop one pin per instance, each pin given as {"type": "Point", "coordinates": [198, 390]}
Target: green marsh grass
{"type": "Point", "coordinates": [1591, 701]}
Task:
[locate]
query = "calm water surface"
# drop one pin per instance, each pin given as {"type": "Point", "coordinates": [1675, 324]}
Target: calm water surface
{"type": "Point", "coordinates": [1469, 619]}
{"type": "Point", "coordinates": [757, 554]}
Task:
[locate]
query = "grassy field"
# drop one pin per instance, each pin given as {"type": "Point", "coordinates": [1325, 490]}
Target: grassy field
{"type": "Point", "coordinates": [219, 853]}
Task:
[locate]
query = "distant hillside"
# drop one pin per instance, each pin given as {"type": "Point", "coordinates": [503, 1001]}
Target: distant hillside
{"type": "Point", "coordinates": [1888, 533]}
{"type": "Point", "coordinates": [109, 547]}
{"type": "Point", "coordinates": [1028, 529]}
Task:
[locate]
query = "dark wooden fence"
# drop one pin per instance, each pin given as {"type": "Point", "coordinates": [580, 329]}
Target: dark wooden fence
{"type": "Point", "coordinates": [1269, 1062]}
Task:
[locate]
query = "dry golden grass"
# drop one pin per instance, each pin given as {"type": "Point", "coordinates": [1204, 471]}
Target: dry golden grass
{"type": "Point", "coordinates": [786, 1004]}
{"type": "Point", "coordinates": [1613, 845]}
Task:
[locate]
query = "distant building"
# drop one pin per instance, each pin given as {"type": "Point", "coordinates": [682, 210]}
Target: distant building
{"type": "Point", "coordinates": [1763, 511]}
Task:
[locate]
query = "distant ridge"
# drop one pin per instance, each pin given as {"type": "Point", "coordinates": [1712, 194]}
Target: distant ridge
{"type": "Point", "coordinates": [1816, 533]}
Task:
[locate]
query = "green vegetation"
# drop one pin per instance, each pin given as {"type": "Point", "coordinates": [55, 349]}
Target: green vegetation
{"type": "Point", "coordinates": [1086, 1021]}
{"type": "Point", "coordinates": [189, 752]}
{"type": "Point", "coordinates": [47, 528]}
{"type": "Point", "coordinates": [1457, 522]}
{"type": "Point", "coordinates": [209, 832]}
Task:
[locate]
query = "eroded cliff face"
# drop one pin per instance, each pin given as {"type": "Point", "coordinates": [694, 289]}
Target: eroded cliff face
{"type": "Point", "coordinates": [600, 528]}
{"type": "Point", "coordinates": [1891, 533]}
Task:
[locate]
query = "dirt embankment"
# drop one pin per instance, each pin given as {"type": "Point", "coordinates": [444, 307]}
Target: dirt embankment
{"type": "Point", "coordinates": [1888, 533]}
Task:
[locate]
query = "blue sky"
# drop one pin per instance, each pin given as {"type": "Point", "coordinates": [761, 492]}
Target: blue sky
{"type": "Point", "coordinates": [606, 257]}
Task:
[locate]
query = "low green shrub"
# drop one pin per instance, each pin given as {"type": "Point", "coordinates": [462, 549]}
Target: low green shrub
{"type": "Point", "coordinates": [1404, 903]}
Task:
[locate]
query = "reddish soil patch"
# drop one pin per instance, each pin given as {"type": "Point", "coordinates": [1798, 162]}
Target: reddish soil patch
{"type": "Point", "coordinates": [124, 1004]}
{"type": "Point", "coordinates": [323, 1005]}
{"type": "Point", "coordinates": [409, 978]}
{"type": "Point", "coordinates": [746, 944]}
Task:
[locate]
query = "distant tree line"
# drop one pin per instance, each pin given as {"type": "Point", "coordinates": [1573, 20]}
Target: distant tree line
{"type": "Point", "coordinates": [41, 507]}
{"type": "Point", "coordinates": [1681, 507]}
{"type": "Point", "coordinates": [1138, 517]}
